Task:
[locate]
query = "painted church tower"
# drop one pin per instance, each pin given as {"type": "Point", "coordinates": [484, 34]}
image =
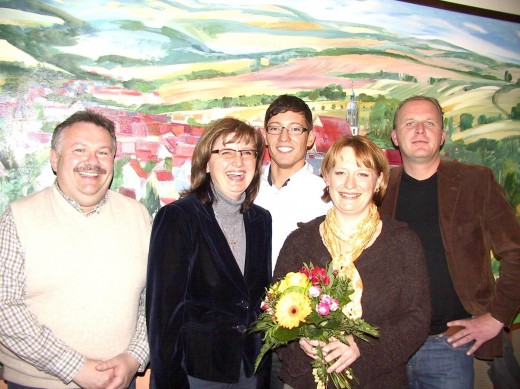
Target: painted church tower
{"type": "Point", "coordinates": [352, 114]}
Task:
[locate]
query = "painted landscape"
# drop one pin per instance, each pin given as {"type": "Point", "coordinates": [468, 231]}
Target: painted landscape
{"type": "Point", "coordinates": [163, 70]}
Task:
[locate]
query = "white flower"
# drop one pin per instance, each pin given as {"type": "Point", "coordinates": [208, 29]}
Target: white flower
{"type": "Point", "coordinates": [314, 291]}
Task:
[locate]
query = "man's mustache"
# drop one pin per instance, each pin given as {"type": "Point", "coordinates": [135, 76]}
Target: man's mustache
{"type": "Point", "coordinates": [90, 169]}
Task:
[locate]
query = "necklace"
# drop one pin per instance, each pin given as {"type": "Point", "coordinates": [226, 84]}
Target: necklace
{"type": "Point", "coordinates": [231, 229]}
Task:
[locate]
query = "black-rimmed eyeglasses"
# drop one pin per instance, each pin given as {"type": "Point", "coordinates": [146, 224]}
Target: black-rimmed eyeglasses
{"type": "Point", "coordinates": [229, 154]}
{"type": "Point", "coordinates": [292, 130]}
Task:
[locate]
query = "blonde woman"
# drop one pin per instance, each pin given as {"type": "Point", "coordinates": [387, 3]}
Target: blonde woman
{"type": "Point", "coordinates": [383, 258]}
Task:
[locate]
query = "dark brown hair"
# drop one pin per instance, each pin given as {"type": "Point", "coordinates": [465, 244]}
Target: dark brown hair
{"type": "Point", "coordinates": [83, 117]}
{"type": "Point", "coordinates": [286, 103]}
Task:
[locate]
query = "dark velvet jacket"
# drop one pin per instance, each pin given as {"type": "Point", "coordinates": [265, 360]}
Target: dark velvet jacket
{"type": "Point", "coordinates": [198, 303]}
{"type": "Point", "coordinates": [475, 218]}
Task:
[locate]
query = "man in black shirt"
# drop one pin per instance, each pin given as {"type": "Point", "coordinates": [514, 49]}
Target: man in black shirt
{"type": "Point", "coordinates": [460, 213]}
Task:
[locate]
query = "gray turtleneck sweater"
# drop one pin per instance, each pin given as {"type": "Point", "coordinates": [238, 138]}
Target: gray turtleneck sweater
{"type": "Point", "coordinates": [231, 221]}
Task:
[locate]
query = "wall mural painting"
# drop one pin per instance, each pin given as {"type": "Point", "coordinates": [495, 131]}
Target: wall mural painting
{"type": "Point", "coordinates": [164, 69]}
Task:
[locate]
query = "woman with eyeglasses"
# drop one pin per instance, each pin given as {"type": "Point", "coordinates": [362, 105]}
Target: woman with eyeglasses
{"type": "Point", "coordinates": [209, 265]}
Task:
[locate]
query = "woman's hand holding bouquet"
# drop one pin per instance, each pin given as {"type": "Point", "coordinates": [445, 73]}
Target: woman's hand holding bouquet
{"type": "Point", "coordinates": [311, 305]}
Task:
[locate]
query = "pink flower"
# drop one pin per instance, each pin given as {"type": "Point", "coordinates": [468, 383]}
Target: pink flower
{"type": "Point", "coordinates": [326, 299]}
{"type": "Point", "coordinates": [334, 305]}
{"type": "Point", "coordinates": [314, 291]}
{"type": "Point", "coordinates": [323, 309]}
{"type": "Point", "coordinates": [264, 306]}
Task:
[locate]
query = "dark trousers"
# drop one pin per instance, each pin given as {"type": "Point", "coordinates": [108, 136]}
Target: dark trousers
{"type": "Point", "coordinates": [276, 366]}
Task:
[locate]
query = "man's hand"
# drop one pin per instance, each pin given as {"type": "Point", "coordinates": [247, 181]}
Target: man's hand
{"type": "Point", "coordinates": [88, 377]}
{"type": "Point", "coordinates": [480, 329]}
{"type": "Point", "coordinates": [123, 368]}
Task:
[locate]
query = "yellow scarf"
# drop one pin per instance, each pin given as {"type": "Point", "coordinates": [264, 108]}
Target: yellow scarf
{"type": "Point", "coordinates": [345, 249]}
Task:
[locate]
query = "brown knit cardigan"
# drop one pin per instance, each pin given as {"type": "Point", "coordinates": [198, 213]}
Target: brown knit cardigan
{"type": "Point", "coordinates": [395, 299]}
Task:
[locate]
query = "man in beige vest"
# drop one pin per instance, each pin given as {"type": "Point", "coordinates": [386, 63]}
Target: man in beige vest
{"type": "Point", "coordinates": [72, 271]}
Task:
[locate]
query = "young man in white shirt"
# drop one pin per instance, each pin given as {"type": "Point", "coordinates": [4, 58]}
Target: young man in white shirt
{"type": "Point", "coordinates": [289, 189]}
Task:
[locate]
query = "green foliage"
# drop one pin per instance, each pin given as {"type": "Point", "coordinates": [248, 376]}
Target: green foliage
{"type": "Point", "coordinates": [483, 119]}
{"type": "Point", "coordinates": [194, 123]}
{"type": "Point", "coordinates": [381, 117]}
{"type": "Point", "coordinates": [373, 76]}
{"type": "Point", "coordinates": [331, 92]}
{"type": "Point", "coordinates": [44, 8]}
{"type": "Point", "coordinates": [512, 188]}
{"type": "Point", "coordinates": [363, 97]}
{"type": "Point", "coordinates": [132, 25]}
{"type": "Point", "coordinates": [68, 62]}
{"type": "Point", "coordinates": [363, 50]}
{"type": "Point", "coordinates": [39, 42]}
{"type": "Point", "coordinates": [515, 112]}
{"type": "Point", "coordinates": [224, 102]}
{"type": "Point", "coordinates": [433, 80]}
{"type": "Point", "coordinates": [151, 199]}
{"type": "Point", "coordinates": [12, 72]}
{"type": "Point", "coordinates": [148, 166]}
{"type": "Point", "coordinates": [142, 86]}
{"type": "Point", "coordinates": [378, 76]}
{"type": "Point", "coordinates": [501, 156]}
{"type": "Point", "coordinates": [409, 78]}
{"type": "Point", "coordinates": [206, 74]}
{"type": "Point", "coordinates": [466, 121]}
{"type": "Point", "coordinates": [120, 60]}
{"type": "Point", "coordinates": [48, 126]}
{"type": "Point", "coordinates": [22, 179]}
{"type": "Point", "coordinates": [478, 75]}
{"type": "Point", "coordinates": [384, 142]}
{"type": "Point", "coordinates": [377, 118]}
{"type": "Point", "coordinates": [169, 32]}
{"type": "Point", "coordinates": [117, 181]}
{"type": "Point", "coordinates": [53, 37]}
{"type": "Point", "coordinates": [168, 163]}
{"type": "Point", "coordinates": [314, 95]}
{"type": "Point", "coordinates": [467, 56]}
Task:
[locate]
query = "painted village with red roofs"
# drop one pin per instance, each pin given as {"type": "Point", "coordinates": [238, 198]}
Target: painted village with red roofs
{"type": "Point", "coordinates": [153, 150]}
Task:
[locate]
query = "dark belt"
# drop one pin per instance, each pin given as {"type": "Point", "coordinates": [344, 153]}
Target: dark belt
{"type": "Point", "coordinates": [451, 331]}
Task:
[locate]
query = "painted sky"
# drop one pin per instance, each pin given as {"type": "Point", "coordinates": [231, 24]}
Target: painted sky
{"type": "Point", "coordinates": [494, 37]}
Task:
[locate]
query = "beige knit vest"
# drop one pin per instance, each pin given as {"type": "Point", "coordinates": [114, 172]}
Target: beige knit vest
{"type": "Point", "coordinates": [84, 276]}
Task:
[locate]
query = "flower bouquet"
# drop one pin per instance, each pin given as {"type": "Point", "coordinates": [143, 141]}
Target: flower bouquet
{"type": "Point", "coordinates": [313, 304]}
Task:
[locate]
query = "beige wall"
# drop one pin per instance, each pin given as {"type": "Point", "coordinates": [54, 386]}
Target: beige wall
{"type": "Point", "coordinates": [506, 6]}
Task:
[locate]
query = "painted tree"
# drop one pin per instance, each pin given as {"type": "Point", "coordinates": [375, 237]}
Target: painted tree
{"type": "Point", "coordinates": [466, 121]}
{"type": "Point", "coordinates": [515, 112]}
